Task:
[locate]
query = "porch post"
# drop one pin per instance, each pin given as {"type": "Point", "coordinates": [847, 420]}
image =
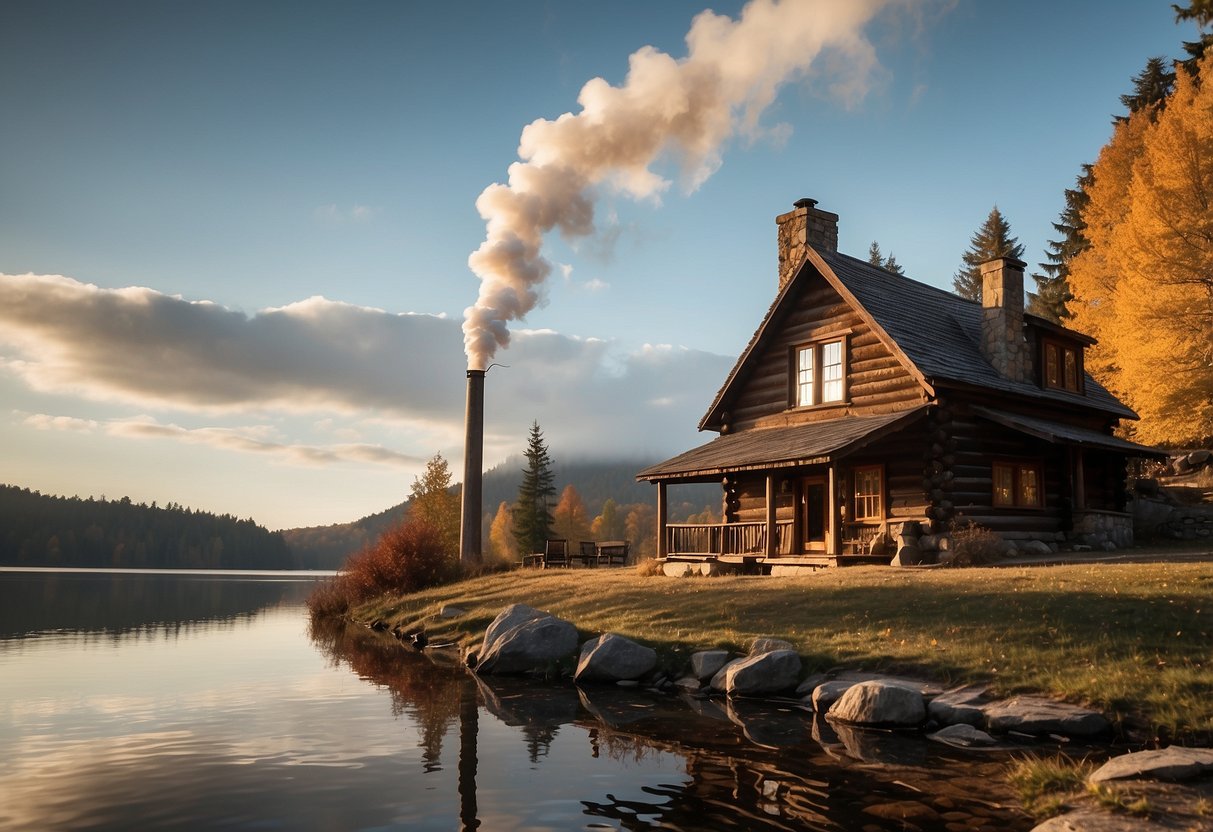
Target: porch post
{"type": "Point", "coordinates": [772, 541]}
{"type": "Point", "coordinates": [662, 546]}
{"type": "Point", "coordinates": [835, 545]}
{"type": "Point", "coordinates": [1080, 488]}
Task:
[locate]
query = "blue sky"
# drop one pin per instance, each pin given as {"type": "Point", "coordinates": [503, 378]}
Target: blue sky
{"type": "Point", "coordinates": [234, 237]}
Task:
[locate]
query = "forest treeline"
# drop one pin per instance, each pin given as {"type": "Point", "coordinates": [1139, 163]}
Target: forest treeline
{"type": "Point", "coordinates": [42, 530]}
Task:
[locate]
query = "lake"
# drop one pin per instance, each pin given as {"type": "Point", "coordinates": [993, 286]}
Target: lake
{"type": "Point", "coordinates": [190, 700]}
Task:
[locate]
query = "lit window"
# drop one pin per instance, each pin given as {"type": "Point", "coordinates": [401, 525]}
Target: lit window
{"type": "Point", "coordinates": [869, 493]}
{"type": "Point", "coordinates": [804, 376]}
{"type": "Point", "coordinates": [1018, 484]}
{"type": "Point", "coordinates": [819, 374]}
{"type": "Point", "coordinates": [831, 372]}
{"type": "Point", "coordinates": [1062, 367]}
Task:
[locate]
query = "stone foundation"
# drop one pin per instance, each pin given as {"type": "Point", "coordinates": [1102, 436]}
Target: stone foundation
{"type": "Point", "coordinates": [1105, 530]}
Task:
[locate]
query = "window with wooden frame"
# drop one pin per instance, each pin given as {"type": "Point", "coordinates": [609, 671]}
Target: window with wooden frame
{"type": "Point", "coordinates": [819, 373]}
{"type": "Point", "coordinates": [869, 493]}
{"type": "Point", "coordinates": [1018, 485]}
{"type": "Point", "coordinates": [1062, 366]}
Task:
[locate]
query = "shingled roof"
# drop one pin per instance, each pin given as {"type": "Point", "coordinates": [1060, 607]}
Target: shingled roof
{"type": "Point", "coordinates": [935, 333]}
{"type": "Point", "coordinates": [784, 447]}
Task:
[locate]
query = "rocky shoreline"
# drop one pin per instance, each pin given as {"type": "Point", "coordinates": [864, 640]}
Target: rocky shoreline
{"type": "Point", "coordinates": [857, 706]}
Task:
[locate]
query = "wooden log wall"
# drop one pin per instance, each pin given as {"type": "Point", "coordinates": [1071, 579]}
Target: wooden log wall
{"type": "Point", "coordinates": [750, 503]}
{"type": "Point", "coordinates": [970, 448]}
{"type": "Point", "coordinates": [876, 381]}
{"type": "Point", "coordinates": [901, 455]}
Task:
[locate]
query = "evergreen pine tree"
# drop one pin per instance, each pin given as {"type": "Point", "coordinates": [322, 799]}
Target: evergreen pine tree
{"type": "Point", "coordinates": [532, 513]}
{"type": "Point", "coordinates": [1150, 86]}
{"type": "Point", "coordinates": [1053, 287]}
{"type": "Point", "coordinates": [992, 240]}
{"type": "Point", "coordinates": [877, 258]}
{"type": "Point", "coordinates": [1200, 11]}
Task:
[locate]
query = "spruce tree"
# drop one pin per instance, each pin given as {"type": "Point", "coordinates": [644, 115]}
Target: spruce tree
{"type": "Point", "coordinates": [992, 240]}
{"type": "Point", "coordinates": [877, 258]}
{"type": "Point", "coordinates": [1150, 86]}
{"type": "Point", "coordinates": [532, 513]}
{"type": "Point", "coordinates": [1200, 11]}
{"type": "Point", "coordinates": [1053, 287]}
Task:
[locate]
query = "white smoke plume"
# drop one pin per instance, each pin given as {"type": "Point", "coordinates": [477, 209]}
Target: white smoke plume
{"type": "Point", "coordinates": [681, 108]}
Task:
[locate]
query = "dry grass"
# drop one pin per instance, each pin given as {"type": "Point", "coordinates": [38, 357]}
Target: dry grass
{"type": "Point", "coordinates": [1130, 639]}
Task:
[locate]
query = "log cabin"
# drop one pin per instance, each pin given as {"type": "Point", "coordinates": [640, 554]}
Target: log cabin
{"type": "Point", "coordinates": [871, 415]}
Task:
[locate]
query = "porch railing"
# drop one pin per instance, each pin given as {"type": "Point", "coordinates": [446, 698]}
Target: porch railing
{"type": "Point", "coordinates": [726, 538]}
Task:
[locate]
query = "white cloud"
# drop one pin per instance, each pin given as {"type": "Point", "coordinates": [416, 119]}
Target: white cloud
{"type": "Point", "coordinates": [596, 285]}
{"type": "Point", "coordinates": [255, 439]}
{"type": "Point", "coordinates": [371, 372]}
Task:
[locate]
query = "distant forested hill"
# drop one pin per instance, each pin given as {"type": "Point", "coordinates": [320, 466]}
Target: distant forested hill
{"type": "Point", "coordinates": [325, 547]}
{"type": "Point", "coordinates": [41, 530]}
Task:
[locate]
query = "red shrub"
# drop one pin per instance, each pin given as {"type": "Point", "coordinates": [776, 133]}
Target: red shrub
{"type": "Point", "coordinates": [406, 558]}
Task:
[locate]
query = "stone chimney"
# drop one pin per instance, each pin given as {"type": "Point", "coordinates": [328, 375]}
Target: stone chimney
{"type": "Point", "coordinates": [805, 225]}
{"type": "Point", "coordinates": [1002, 339]}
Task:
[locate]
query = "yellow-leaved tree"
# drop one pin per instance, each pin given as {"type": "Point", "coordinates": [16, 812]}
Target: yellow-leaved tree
{"type": "Point", "coordinates": [1144, 288]}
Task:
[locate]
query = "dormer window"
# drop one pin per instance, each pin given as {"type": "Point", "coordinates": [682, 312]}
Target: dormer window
{"type": "Point", "coordinates": [1062, 366]}
{"type": "Point", "coordinates": [819, 376]}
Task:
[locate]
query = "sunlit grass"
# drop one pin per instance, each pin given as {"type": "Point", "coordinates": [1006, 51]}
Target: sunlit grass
{"type": "Point", "coordinates": [1130, 639]}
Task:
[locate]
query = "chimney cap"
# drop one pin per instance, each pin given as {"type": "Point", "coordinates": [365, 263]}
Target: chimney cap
{"type": "Point", "coordinates": [997, 262]}
{"type": "Point", "coordinates": [805, 202]}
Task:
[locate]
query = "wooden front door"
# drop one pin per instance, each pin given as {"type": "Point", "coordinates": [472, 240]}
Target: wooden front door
{"type": "Point", "coordinates": [814, 514]}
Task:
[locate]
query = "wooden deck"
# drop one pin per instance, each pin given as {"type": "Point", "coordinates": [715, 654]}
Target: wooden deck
{"type": "Point", "coordinates": [753, 564]}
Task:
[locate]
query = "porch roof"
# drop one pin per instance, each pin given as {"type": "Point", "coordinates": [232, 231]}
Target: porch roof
{"type": "Point", "coordinates": [782, 447]}
{"type": "Point", "coordinates": [1065, 434]}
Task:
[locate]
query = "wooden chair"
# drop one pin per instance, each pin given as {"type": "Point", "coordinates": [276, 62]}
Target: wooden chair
{"type": "Point", "coordinates": [613, 553]}
{"type": "Point", "coordinates": [589, 553]}
{"type": "Point", "coordinates": [555, 553]}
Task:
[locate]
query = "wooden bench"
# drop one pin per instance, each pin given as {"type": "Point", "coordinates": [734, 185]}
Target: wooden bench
{"type": "Point", "coordinates": [613, 553]}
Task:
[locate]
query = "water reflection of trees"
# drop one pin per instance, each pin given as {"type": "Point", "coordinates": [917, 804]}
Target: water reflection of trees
{"type": "Point", "coordinates": [117, 605]}
{"type": "Point", "coordinates": [427, 694]}
{"type": "Point", "coordinates": [747, 765]}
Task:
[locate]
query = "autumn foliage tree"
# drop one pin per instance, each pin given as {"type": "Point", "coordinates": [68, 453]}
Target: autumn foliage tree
{"type": "Point", "coordinates": [570, 520]}
{"type": "Point", "coordinates": [502, 544]}
{"type": "Point", "coordinates": [432, 502]}
{"type": "Point", "coordinates": [1144, 287]}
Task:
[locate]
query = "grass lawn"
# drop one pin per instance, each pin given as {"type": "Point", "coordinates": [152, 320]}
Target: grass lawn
{"type": "Point", "coordinates": [1133, 640]}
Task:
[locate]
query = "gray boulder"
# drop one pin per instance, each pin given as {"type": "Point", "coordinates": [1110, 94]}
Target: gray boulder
{"type": "Point", "coordinates": [613, 658]}
{"type": "Point", "coordinates": [827, 693]}
{"type": "Point", "coordinates": [1095, 821]}
{"type": "Point", "coordinates": [1160, 764]}
{"type": "Point", "coordinates": [719, 679]}
{"type": "Point", "coordinates": [963, 705]}
{"type": "Point", "coordinates": [508, 619]}
{"type": "Point", "coordinates": [451, 611]}
{"type": "Point", "coordinates": [765, 644]}
{"type": "Point", "coordinates": [880, 703]}
{"type": "Point", "coordinates": [765, 673]}
{"type": "Point", "coordinates": [531, 644]}
{"type": "Point", "coordinates": [962, 736]}
{"type": "Point", "coordinates": [1032, 715]}
{"type": "Point", "coordinates": [707, 663]}
{"type": "Point", "coordinates": [1036, 548]}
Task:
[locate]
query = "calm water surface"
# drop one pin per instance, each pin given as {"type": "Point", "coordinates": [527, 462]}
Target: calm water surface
{"type": "Point", "coordinates": [201, 701]}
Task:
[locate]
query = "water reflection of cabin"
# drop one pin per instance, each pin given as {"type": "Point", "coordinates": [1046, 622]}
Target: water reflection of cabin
{"type": "Point", "coordinates": [866, 400]}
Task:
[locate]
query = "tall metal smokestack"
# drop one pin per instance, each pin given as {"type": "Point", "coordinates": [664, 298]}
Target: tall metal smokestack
{"type": "Point", "coordinates": [473, 471]}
